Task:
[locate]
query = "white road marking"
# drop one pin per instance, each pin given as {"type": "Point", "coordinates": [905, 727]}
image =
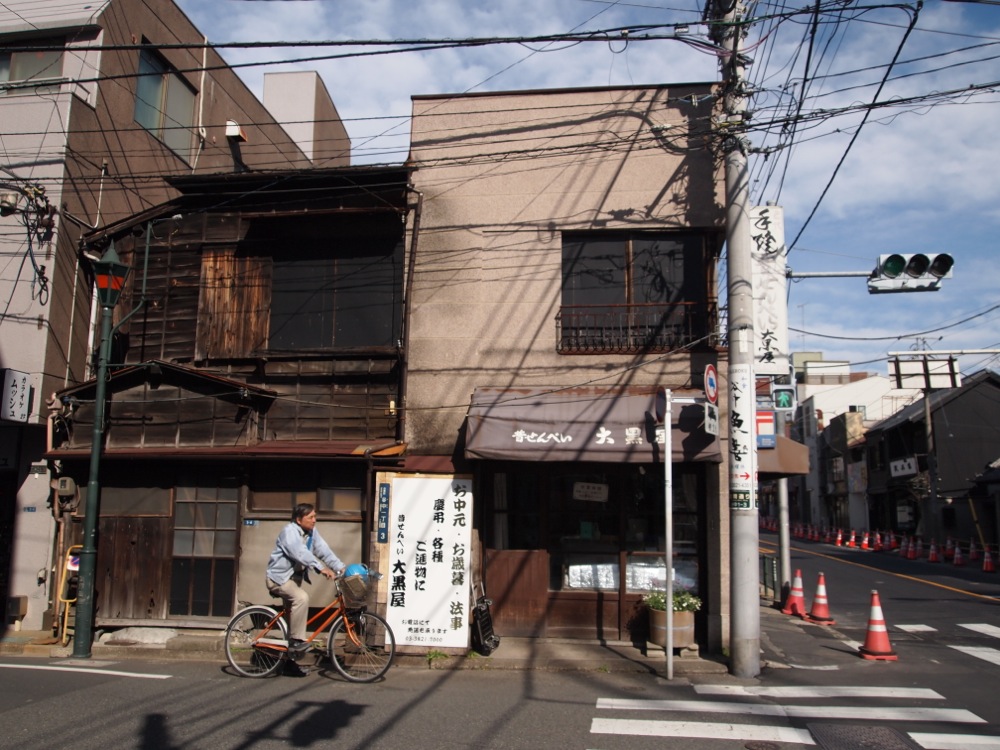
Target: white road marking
{"type": "Point", "coordinates": [870, 713]}
{"type": "Point", "coordinates": [984, 629]}
{"type": "Point", "coordinates": [955, 741]}
{"type": "Point", "coordinates": [700, 730]}
{"type": "Point", "coordinates": [916, 628]}
{"type": "Point", "coordinates": [850, 691]}
{"type": "Point", "coordinates": [91, 670]}
{"type": "Point", "coordinates": [980, 652]}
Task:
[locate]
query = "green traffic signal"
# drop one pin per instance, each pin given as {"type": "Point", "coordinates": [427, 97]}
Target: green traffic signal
{"type": "Point", "coordinates": [783, 398]}
{"type": "Point", "coordinates": [893, 265]}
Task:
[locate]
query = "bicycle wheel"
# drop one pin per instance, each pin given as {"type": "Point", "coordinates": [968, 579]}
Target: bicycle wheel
{"type": "Point", "coordinates": [361, 646]}
{"type": "Point", "coordinates": [255, 641]}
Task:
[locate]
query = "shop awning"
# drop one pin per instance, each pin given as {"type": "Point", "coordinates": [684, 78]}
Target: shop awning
{"type": "Point", "coordinates": [787, 457]}
{"type": "Point", "coordinates": [584, 424]}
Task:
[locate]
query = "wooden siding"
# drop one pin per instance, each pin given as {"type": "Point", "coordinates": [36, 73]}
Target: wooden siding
{"type": "Point", "coordinates": [165, 328]}
{"type": "Point", "coordinates": [233, 308]}
{"type": "Point", "coordinates": [133, 568]}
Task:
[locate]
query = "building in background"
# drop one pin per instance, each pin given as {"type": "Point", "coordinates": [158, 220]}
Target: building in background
{"type": "Point", "coordinates": [95, 113]}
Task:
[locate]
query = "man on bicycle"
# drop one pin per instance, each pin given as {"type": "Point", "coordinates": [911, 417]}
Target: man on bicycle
{"type": "Point", "coordinates": [299, 549]}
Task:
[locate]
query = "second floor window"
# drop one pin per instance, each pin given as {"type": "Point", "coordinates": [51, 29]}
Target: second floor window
{"type": "Point", "coordinates": [37, 60]}
{"type": "Point", "coordinates": [632, 291]}
{"type": "Point", "coordinates": [164, 104]}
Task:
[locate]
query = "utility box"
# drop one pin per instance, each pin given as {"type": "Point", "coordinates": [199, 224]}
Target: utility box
{"type": "Point", "coordinates": [17, 608]}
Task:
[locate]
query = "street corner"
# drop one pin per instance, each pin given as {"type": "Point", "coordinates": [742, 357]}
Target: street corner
{"type": "Point", "coordinates": [790, 642]}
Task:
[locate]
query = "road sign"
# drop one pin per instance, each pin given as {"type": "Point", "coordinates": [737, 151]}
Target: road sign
{"type": "Point", "coordinates": [765, 430]}
{"type": "Point", "coordinates": [711, 419]}
{"type": "Point", "coordinates": [711, 384]}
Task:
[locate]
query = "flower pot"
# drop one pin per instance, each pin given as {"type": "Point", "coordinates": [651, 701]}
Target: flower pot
{"type": "Point", "coordinates": [683, 631]}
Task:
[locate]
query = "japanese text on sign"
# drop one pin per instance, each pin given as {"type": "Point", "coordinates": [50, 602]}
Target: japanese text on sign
{"type": "Point", "coordinates": [430, 540]}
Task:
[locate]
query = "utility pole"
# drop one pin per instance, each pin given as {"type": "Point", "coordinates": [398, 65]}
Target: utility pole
{"type": "Point", "coordinates": [726, 19]}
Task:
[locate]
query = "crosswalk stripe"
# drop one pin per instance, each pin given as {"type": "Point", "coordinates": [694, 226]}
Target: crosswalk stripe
{"type": "Point", "coordinates": [700, 730]}
{"type": "Point", "coordinates": [916, 628]}
{"type": "Point", "coordinates": [980, 652]}
{"type": "Point", "coordinates": [873, 713]}
{"type": "Point", "coordinates": [816, 691]}
{"type": "Point", "coordinates": [983, 628]}
{"type": "Point", "coordinates": [930, 741]}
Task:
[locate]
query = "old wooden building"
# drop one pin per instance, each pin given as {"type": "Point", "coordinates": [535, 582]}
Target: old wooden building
{"type": "Point", "coordinates": [256, 363]}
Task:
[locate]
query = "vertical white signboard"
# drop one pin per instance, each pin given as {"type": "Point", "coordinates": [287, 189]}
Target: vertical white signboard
{"type": "Point", "coordinates": [16, 396]}
{"type": "Point", "coordinates": [430, 543]}
{"type": "Point", "coordinates": [742, 442]}
{"type": "Point", "coordinates": [770, 303]}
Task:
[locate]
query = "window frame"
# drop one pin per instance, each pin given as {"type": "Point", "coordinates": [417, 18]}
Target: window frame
{"type": "Point", "coordinates": [156, 78]}
{"type": "Point", "coordinates": [14, 81]}
{"type": "Point", "coordinates": [619, 318]}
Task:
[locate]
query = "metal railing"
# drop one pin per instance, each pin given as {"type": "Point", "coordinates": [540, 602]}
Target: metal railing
{"type": "Point", "coordinates": [593, 329]}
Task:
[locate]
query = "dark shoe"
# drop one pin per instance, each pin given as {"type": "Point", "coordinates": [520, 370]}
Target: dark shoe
{"type": "Point", "coordinates": [294, 670]}
{"type": "Point", "coordinates": [296, 646]}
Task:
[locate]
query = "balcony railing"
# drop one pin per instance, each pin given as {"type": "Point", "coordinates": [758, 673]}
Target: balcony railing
{"type": "Point", "coordinates": [596, 329]}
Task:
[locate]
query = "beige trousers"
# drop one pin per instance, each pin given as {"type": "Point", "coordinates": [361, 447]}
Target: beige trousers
{"type": "Point", "coordinates": [296, 601]}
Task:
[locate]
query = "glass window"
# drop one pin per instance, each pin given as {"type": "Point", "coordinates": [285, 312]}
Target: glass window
{"type": "Point", "coordinates": [341, 289]}
{"type": "Point", "coordinates": [632, 291]}
{"type": "Point", "coordinates": [164, 104]}
{"type": "Point", "coordinates": [28, 64]}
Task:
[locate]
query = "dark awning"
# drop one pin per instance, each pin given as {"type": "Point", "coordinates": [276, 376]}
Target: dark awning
{"type": "Point", "coordinates": [785, 458]}
{"type": "Point", "coordinates": [584, 424]}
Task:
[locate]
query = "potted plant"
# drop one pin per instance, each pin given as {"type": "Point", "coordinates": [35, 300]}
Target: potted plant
{"type": "Point", "coordinates": [685, 605]}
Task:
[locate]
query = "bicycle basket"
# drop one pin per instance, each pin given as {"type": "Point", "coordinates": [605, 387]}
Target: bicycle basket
{"type": "Point", "coordinates": [354, 589]}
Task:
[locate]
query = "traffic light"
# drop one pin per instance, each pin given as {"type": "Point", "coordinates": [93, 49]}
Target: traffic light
{"type": "Point", "coordinates": [915, 272]}
{"type": "Point", "coordinates": [783, 397]}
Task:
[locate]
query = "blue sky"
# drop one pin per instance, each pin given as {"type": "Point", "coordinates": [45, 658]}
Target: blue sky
{"type": "Point", "coordinates": [920, 176]}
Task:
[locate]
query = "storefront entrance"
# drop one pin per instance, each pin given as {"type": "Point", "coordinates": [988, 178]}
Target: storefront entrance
{"type": "Point", "coordinates": [571, 547]}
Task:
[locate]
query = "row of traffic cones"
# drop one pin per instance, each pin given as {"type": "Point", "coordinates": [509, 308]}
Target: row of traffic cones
{"type": "Point", "coordinates": [910, 548]}
{"type": "Point", "coordinates": [876, 645]}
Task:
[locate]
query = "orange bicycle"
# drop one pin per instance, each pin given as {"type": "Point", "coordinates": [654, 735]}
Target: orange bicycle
{"type": "Point", "coordinates": [360, 644]}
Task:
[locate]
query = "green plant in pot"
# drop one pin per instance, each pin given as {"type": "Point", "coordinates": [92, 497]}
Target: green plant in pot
{"type": "Point", "coordinates": [685, 605]}
{"type": "Point", "coordinates": [684, 601]}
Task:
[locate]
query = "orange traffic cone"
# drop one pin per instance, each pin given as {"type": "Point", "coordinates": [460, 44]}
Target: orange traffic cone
{"type": "Point", "coordinates": [973, 551]}
{"type": "Point", "coordinates": [840, 538]}
{"type": "Point", "coordinates": [949, 548]}
{"type": "Point", "coordinates": [957, 557]}
{"type": "Point", "coordinates": [820, 612]}
{"type": "Point", "coordinates": [878, 542]}
{"type": "Point", "coordinates": [893, 542]}
{"type": "Point", "coordinates": [864, 541]}
{"type": "Point", "coordinates": [904, 548]}
{"type": "Point", "coordinates": [988, 561]}
{"type": "Point", "coordinates": [796, 602]}
{"type": "Point", "coordinates": [877, 646]}
{"type": "Point", "coordinates": [932, 556]}
{"type": "Point", "coordinates": [853, 541]}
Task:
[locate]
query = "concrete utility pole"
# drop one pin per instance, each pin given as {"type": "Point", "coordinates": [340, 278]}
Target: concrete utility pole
{"type": "Point", "coordinates": [726, 18]}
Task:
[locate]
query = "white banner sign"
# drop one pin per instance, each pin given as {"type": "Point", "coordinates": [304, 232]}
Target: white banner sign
{"type": "Point", "coordinates": [770, 303]}
{"type": "Point", "coordinates": [16, 396]}
{"type": "Point", "coordinates": [742, 442]}
{"type": "Point", "coordinates": [430, 544]}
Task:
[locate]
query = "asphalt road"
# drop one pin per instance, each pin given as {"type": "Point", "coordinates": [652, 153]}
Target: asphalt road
{"type": "Point", "coordinates": [814, 690]}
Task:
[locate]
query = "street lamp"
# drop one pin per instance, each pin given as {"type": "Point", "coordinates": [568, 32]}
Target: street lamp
{"type": "Point", "coordinates": [109, 279]}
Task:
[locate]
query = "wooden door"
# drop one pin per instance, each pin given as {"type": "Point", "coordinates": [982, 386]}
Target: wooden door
{"type": "Point", "coordinates": [518, 583]}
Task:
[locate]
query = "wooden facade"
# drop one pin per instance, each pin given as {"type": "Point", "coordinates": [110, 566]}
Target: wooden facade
{"type": "Point", "coordinates": [217, 423]}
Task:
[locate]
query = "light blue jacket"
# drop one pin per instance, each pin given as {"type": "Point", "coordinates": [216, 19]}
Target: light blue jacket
{"type": "Point", "coordinates": [294, 551]}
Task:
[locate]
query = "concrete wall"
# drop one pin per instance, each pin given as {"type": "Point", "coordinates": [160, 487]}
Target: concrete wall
{"type": "Point", "coordinates": [299, 100]}
{"type": "Point", "coordinates": [502, 177]}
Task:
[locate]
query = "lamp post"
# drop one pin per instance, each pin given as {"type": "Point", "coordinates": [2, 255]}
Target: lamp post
{"type": "Point", "coordinates": [109, 275]}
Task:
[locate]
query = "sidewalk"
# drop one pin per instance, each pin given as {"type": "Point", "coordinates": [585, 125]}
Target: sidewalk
{"type": "Point", "coordinates": [513, 653]}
